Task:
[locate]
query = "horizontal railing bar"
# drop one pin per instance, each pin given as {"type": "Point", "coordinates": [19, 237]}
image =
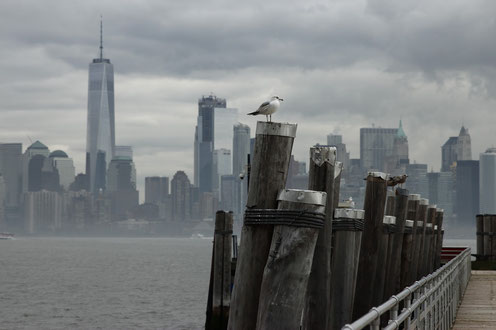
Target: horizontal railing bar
{"type": "Point", "coordinates": [378, 311]}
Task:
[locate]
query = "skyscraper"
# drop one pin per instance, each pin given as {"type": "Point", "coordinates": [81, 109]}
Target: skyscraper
{"type": "Point", "coordinates": [467, 191]}
{"type": "Point", "coordinates": [456, 148]}
{"type": "Point", "coordinates": [487, 181]}
{"type": "Point", "coordinates": [375, 145]}
{"type": "Point", "coordinates": [241, 148]}
{"type": "Point", "coordinates": [181, 198]}
{"type": "Point", "coordinates": [11, 170]}
{"type": "Point", "coordinates": [64, 166]}
{"type": "Point", "coordinates": [156, 189]}
{"type": "Point", "coordinates": [204, 141]}
{"type": "Point", "coordinates": [100, 133]}
{"type": "Point", "coordinates": [342, 156]}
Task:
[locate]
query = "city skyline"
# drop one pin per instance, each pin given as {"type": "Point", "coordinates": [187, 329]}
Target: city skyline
{"type": "Point", "coordinates": [433, 98]}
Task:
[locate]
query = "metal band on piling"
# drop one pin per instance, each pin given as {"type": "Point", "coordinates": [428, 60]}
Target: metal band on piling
{"type": "Point", "coordinates": [278, 129]}
{"type": "Point", "coordinates": [348, 220]}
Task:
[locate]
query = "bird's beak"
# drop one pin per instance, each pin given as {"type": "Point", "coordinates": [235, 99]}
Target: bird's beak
{"type": "Point", "coordinates": [281, 100]}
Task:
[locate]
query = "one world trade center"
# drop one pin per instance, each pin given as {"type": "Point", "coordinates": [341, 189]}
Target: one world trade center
{"type": "Point", "coordinates": [100, 131]}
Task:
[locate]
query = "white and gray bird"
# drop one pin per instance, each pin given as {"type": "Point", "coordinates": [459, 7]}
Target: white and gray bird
{"type": "Point", "coordinates": [268, 108]}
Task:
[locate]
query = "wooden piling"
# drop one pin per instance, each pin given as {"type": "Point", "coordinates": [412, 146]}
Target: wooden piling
{"type": "Point", "coordinates": [492, 218]}
{"type": "Point", "coordinates": [487, 239]}
{"type": "Point", "coordinates": [221, 283]}
{"type": "Point", "coordinates": [439, 239]}
{"type": "Point", "coordinates": [412, 210]}
{"type": "Point", "coordinates": [286, 274]}
{"type": "Point", "coordinates": [420, 241]}
{"type": "Point", "coordinates": [321, 178]}
{"type": "Point", "coordinates": [385, 253]}
{"type": "Point", "coordinates": [347, 234]}
{"type": "Point", "coordinates": [406, 255]}
{"type": "Point", "coordinates": [375, 198]}
{"type": "Point", "coordinates": [480, 241]}
{"type": "Point", "coordinates": [431, 218]}
{"type": "Point", "coordinates": [268, 173]}
{"type": "Point", "coordinates": [393, 271]}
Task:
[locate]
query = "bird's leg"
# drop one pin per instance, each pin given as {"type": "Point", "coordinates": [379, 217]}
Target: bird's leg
{"type": "Point", "coordinates": [271, 118]}
{"type": "Point", "coordinates": [266, 117]}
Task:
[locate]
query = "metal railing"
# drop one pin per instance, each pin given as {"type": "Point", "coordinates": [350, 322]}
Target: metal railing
{"type": "Point", "coordinates": [430, 303]}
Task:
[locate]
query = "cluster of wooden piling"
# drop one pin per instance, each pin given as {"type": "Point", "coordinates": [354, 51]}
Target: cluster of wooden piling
{"type": "Point", "coordinates": [486, 236]}
{"type": "Point", "coordinates": [293, 242]}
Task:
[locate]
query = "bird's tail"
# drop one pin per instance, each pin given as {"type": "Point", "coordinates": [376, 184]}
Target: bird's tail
{"type": "Point", "coordinates": [254, 113]}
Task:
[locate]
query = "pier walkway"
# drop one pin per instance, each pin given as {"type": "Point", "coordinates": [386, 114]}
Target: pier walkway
{"type": "Point", "coordinates": [478, 307]}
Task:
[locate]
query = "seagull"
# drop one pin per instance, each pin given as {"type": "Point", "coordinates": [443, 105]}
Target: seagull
{"type": "Point", "coordinates": [268, 108]}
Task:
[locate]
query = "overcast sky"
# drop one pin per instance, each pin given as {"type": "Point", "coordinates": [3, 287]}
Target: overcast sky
{"type": "Point", "coordinates": [339, 65]}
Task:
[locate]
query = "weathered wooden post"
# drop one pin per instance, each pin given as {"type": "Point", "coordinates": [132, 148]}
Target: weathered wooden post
{"type": "Point", "coordinates": [221, 283]}
{"type": "Point", "coordinates": [375, 198]}
{"type": "Point", "coordinates": [321, 178]}
{"type": "Point", "coordinates": [347, 229]}
{"type": "Point", "coordinates": [420, 241]}
{"type": "Point", "coordinates": [492, 218]}
{"type": "Point", "coordinates": [439, 239]}
{"type": "Point", "coordinates": [390, 202]}
{"type": "Point", "coordinates": [400, 211]}
{"type": "Point", "coordinates": [285, 277]}
{"type": "Point", "coordinates": [480, 241]}
{"type": "Point", "coordinates": [406, 255]}
{"type": "Point", "coordinates": [389, 210]}
{"type": "Point", "coordinates": [268, 174]}
{"type": "Point", "coordinates": [488, 253]}
{"type": "Point", "coordinates": [412, 210]}
{"type": "Point", "coordinates": [433, 249]}
{"type": "Point", "coordinates": [429, 233]}
{"type": "Point", "coordinates": [385, 252]}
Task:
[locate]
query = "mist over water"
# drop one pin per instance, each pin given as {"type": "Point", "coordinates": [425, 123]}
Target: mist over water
{"type": "Point", "coordinates": [109, 283]}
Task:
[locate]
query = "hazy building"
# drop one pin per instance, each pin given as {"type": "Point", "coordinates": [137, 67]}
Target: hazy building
{"type": "Point", "coordinates": [204, 141]}
{"type": "Point", "coordinates": [11, 170]}
{"type": "Point", "coordinates": [487, 181]}
{"type": "Point", "coordinates": [43, 211]}
{"type": "Point", "coordinates": [78, 210]}
{"type": "Point", "coordinates": [230, 194]}
{"type": "Point", "coordinates": [65, 168]}
{"type": "Point", "coordinates": [297, 175]}
{"type": "Point", "coordinates": [456, 148]}
{"type": "Point", "coordinates": [156, 189]}
{"type": "Point", "coordinates": [341, 154]}
{"type": "Point", "coordinates": [464, 147]}
{"type": "Point", "coordinates": [441, 187]}
{"type": "Point", "coordinates": [224, 121]}
{"type": "Point", "coordinates": [100, 133]}
{"type": "Point", "coordinates": [221, 166]}
{"type": "Point", "coordinates": [209, 204]}
{"type": "Point", "coordinates": [32, 170]}
{"type": "Point", "coordinates": [417, 182]}
{"type": "Point", "coordinates": [448, 153]}
{"type": "Point", "coordinates": [375, 145]}
{"type": "Point", "coordinates": [121, 187]}
{"type": "Point", "coordinates": [181, 199]}
{"type": "Point", "coordinates": [467, 191]}
{"type": "Point", "coordinates": [240, 148]}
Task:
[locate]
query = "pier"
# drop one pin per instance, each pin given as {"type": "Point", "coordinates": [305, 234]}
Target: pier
{"type": "Point", "coordinates": [477, 310]}
{"type": "Point", "coordinates": [306, 261]}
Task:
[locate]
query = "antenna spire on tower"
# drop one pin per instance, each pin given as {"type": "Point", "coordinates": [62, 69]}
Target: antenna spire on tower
{"type": "Point", "coordinates": [101, 37]}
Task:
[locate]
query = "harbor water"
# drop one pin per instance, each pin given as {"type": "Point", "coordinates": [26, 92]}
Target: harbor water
{"type": "Point", "coordinates": [104, 283]}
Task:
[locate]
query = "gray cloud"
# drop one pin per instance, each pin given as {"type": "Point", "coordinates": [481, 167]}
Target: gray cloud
{"type": "Point", "coordinates": [340, 65]}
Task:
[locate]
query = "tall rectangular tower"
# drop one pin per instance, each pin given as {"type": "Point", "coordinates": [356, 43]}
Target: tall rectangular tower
{"type": "Point", "coordinates": [375, 145]}
{"type": "Point", "coordinates": [100, 132]}
{"type": "Point", "coordinates": [204, 141]}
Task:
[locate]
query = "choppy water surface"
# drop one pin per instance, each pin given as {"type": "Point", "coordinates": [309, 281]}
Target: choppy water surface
{"type": "Point", "coordinates": [107, 283]}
